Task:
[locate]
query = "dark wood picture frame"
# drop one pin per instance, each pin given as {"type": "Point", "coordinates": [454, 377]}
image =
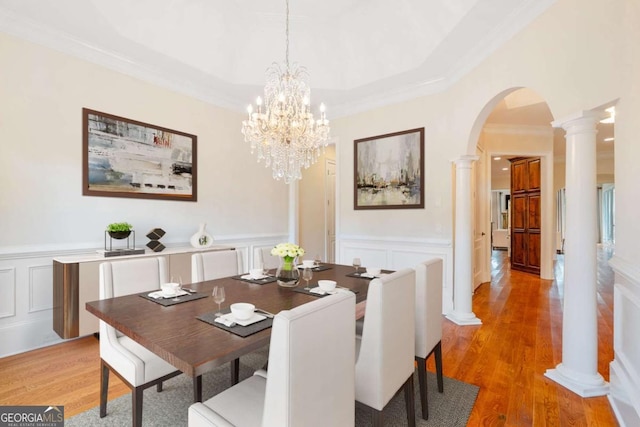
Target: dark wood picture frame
{"type": "Point", "coordinates": [127, 158]}
{"type": "Point", "coordinates": [387, 174]}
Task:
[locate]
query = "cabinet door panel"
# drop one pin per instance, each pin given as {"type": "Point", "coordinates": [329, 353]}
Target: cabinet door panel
{"type": "Point", "coordinates": [519, 212]}
{"type": "Point", "coordinates": [525, 214]}
{"type": "Point", "coordinates": [533, 220]}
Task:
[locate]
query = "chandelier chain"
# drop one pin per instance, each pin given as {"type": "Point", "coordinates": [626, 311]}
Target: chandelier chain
{"type": "Point", "coordinates": [287, 37]}
{"type": "Point", "coordinates": [283, 130]}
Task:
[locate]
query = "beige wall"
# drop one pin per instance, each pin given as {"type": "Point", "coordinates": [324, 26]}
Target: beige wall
{"type": "Point", "coordinates": [566, 35]}
{"type": "Point", "coordinates": [42, 93]}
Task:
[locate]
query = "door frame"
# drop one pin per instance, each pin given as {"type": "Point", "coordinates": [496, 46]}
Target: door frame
{"type": "Point", "coordinates": [547, 244]}
{"type": "Point", "coordinates": [327, 242]}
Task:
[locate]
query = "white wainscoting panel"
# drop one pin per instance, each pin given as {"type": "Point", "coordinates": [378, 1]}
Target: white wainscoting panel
{"type": "Point", "coordinates": [7, 292]}
{"type": "Point", "coordinates": [394, 253]}
{"type": "Point", "coordinates": [26, 289]}
{"type": "Point", "coordinates": [40, 288]}
{"type": "Point", "coordinates": [624, 378]}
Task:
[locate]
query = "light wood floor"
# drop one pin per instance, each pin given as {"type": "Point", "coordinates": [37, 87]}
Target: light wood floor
{"type": "Point", "coordinates": [519, 339]}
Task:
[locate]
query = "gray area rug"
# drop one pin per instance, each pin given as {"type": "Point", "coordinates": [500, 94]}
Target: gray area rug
{"type": "Point", "coordinates": [169, 408]}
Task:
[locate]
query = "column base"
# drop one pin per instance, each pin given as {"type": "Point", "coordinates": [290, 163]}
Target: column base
{"type": "Point", "coordinates": [581, 384]}
{"type": "Point", "coordinates": [463, 319]}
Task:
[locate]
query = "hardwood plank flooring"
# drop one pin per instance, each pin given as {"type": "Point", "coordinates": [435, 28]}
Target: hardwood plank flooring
{"type": "Point", "coordinates": [520, 338]}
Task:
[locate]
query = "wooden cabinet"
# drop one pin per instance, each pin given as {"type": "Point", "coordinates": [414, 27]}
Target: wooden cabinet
{"type": "Point", "coordinates": [525, 214]}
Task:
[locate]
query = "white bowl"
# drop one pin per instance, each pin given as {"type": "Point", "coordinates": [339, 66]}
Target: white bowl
{"type": "Point", "coordinates": [308, 263]}
{"type": "Point", "coordinates": [327, 285]}
{"type": "Point", "coordinates": [242, 310]}
{"type": "Point", "coordinates": [255, 273]}
{"type": "Point", "coordinates": [373, 271]}
{"type": "Point", "coordinates": [170, 288]}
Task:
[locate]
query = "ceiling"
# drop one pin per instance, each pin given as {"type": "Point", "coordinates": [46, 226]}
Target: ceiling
{"type": "Point", "coordinates": [359, 53]}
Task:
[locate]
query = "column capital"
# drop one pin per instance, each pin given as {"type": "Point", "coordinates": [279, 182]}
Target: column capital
{"type": "Point", "coordinates": [465, 161]}
{"type": "Point", "coordinates": [581, 120]}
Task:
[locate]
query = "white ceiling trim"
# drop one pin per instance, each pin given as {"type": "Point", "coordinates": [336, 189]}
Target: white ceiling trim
{"type": "Point", "coordinates": [211, 90]}
{"type": "Point", "coordinates": [508, 129]}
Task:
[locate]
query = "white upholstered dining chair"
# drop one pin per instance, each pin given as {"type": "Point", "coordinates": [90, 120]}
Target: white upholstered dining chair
{"type": "Point", "coordinates": [428, 324]}
{"type": "Point", "coordinates": [268, 261]}
{"type": "Point", "coordinates": [311, 373]}
{"type": "Point", "coordinates": [385, 351]}
{"type": "Point", "coordinates": [136, 366]}
{"type": "Point", "coordinates": [215, 264]}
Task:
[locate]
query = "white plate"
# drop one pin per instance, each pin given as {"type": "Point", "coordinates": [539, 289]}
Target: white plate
{"type": "Point", "coordinates": [253, 319]}
{"type": "Point", "coordinates": [161, 294]}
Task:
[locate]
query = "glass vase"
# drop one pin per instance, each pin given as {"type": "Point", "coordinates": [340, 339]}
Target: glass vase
{"type": "Point", "coordinates": [287, 273]}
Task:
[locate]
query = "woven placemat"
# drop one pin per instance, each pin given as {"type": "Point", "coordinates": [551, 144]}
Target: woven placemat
{"type": "Point", "coordinates": [317, 268]}
{"type": "Point", "coordinates": [169, 301]}
{"type": "Point", "coordinates": [360, 275]}
{"type": "Point", "coordinates": [304, 291]}
{"type": "Point", "coordinates": [242, 331]}
{"type": "Point", "coordinates": [263, 281]}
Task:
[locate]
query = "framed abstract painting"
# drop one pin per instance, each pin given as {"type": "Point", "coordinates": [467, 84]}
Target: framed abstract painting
{"type": "Point", "coordinates": [127, 158]}
{"type": "Point", "coordinates": [389, 171]}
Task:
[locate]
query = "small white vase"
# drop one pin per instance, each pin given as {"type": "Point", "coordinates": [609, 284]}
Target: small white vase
{"type": "Point", "coordinates": [201, 239]}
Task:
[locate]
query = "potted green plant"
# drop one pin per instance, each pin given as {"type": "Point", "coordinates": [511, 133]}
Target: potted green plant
{"type": "Point", "coordinates": [119, 230]}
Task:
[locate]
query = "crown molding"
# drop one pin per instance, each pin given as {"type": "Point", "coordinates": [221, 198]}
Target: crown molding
{"type": "Point", "coordinates": [509, 129]}
{"type": "Point", "coordinates": [214, 91]}
{"type": "Point", "coordinates": [194, 86]}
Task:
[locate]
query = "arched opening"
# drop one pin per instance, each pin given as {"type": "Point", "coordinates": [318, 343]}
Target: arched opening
{"type": "Point", "coordinates": [517, 125]}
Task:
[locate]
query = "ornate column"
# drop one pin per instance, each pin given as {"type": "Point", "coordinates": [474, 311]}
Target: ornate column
{"type": "Point", "coordinates": [578, 370]}
{"type": "Point", "coordinates": [463, 249]}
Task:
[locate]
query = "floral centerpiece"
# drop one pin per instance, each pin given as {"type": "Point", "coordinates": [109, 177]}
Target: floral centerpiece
{"type": "Point", "coordinates": [286, 274]}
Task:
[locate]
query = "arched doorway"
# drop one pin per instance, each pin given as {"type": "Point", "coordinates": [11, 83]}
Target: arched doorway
{"type": "Point", "coordinates": [516, 123]}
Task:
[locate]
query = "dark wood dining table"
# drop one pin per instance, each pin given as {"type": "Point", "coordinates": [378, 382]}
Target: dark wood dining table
{"type": "Point", "coordinates": [194, 347]}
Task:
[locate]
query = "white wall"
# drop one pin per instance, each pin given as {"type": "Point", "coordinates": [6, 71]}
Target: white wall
{"type": "Point", "coordinates": [42, 211]}
{"type": "Point", "coordinates": [596, 60]}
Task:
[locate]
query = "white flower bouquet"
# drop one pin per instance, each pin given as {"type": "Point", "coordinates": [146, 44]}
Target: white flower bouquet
{"type": "Point", "coordinates": [288, 251]}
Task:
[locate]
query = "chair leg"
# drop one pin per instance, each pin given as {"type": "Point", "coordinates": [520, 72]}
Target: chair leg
{"type": "Point", "coordinates": [159, 387]}
{"type": "Point", "coordinates": [137, 406]}
{"type": "Point", "coordinates": [197, 389]}
{"type": "Point", "coordinates": [235, 371]}
{"type": "Point", "coordinates": [104, 388]}
{"type": "Point", "coordinates": [409, 400]}
{"type": "Point", "coordinates": [377, 418]}
{"type": "Point", "coordinates": [422, 381]}
{"type": "Point", "coordinates": [438, 356]}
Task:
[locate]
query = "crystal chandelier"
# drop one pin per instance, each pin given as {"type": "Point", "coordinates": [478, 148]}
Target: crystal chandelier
{"type": "Point", "coordinates": [283, 130]}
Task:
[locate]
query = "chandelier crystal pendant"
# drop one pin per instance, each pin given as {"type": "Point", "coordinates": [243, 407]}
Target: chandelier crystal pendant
{"type": "Point", "coordinates": [283, 130]}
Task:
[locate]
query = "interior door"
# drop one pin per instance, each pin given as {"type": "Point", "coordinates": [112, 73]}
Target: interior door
{"type": "Point", "coordinates": [330, 211]}
{"type": "Point", "coordinates": [525, 215]}
{"type": "Point", "coordinates": [480, 205]}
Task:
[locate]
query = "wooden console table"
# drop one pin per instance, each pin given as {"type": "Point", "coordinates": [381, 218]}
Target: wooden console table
{"type": "Point", "coordinates": [76, 281]}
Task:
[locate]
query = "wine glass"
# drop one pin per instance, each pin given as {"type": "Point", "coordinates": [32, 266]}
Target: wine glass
{"type": "Point", "coordinates": [317, 259]}
{"type": "Point", "coordinates": [177, 280]}
{"type": "Point", "coordinates": [356, 264]}
{"type": "Point", "coordinates": [307, 274]}
{"type": "Point", "coordinates": [218, 297]}
{"type": "Point", "coordinates": [260, 265]}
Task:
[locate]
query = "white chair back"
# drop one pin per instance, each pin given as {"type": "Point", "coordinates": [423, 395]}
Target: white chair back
{"type": "Point", "coordinates": [132, 361]}
{"type": "Point", "coordinates": [386, 354]}
{"type": "Point", "coordinates": [132, 276]}
{"type": "Point", "coordinates": [268, 261]}
{"type": "Point", "coordinates": [311, 365]}
{"type": "Point", "coordinates": [215, 264]}
{"type": "Point", "coordinates": [428, 306]}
